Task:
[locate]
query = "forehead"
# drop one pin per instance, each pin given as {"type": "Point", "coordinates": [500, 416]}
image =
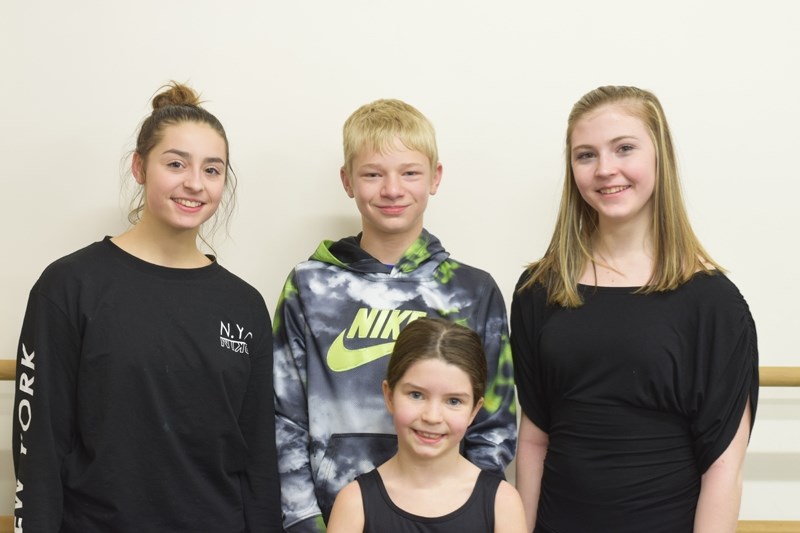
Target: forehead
{"type": "Point", "coordinates": [395, 154]}
{"type": "Point", "coordinates": [436, 373]}
{"type": "Point", "coordinates": [192, 137]}
{"type": "Point", "coordinates": [611, 121]}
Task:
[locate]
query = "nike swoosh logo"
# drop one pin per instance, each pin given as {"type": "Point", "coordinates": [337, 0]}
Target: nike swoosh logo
{"type": "Point", "coordinates": [341, 358]}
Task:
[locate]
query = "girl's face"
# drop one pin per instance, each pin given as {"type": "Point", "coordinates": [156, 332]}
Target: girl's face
{"type": "Point", "coordinates": [183, 178]}
{"type": "Point", "coordinates": [432, 405]}
{"type": "Point", "coordinates": [614, 164]}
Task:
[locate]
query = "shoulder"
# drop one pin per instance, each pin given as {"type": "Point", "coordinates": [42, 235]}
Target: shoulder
{"type": "Point", "coordinates": [455, 274]}
{"type": "Point", "coordinates": [508, 510]}
{"type": "Point", "coordinates": [238, 298]}
{"type": "Point", "coordinates": [528, 295]}
{"type": "Point", "coordinates": [347, 514]}
{"type": "Point", "coordinates": [710, 283]}
{"type": "Point", "coordinates": [239, 285]}
{"type": "Point", "coordinates": [713, 291]}
{"type": "Point", "coordinates": [81, 263]}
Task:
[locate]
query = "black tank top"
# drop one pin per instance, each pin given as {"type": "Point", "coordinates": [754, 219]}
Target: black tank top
{"type": "Point", "coordinates": [381, 515]}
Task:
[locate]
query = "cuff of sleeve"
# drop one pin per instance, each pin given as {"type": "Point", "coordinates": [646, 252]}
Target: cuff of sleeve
{"type": "Point", "coordinates": [314, 524]}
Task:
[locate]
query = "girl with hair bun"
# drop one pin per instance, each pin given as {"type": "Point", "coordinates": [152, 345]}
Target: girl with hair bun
{"type": "Point", "coordinates": [144, 371]}
{"type": "Point", "coordinates": [635, 357]}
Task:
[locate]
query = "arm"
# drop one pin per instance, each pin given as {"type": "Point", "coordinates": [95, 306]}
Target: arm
{"type": "Point", "coordinates": [44, 413]}
{"type": "Point", "coordinates": [509, 516]}
{"type": "Point", "coordinates": [491, 440]}
{"type": "Point", "coordinates": [721, 485]}
{"type": "Point", "coordinates": [260, 486]}
{"type": "Point", "coordinates": [530, 467]}
{"type": "Point", "coordinates": [347, 515]}
{"type": "Point", "coordinates": [301, 513]}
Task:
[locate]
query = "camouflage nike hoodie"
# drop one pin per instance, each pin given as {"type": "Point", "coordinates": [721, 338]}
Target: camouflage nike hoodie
{"type": "Point", "coordinates": [335, 325]}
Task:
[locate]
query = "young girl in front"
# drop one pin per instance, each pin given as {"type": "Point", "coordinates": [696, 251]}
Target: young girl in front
{"type": "Point", "coordinates": [433, 390]}
{"type": "Point", "coordinates": [144, 374]}
{"type": "Point", "coordinates": [634, 355]}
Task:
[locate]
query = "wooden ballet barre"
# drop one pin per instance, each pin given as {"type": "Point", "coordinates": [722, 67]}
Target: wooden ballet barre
{"type": "Point", "coordinates": [770, 376]}
{"type": "Point", "coordinates": [8, 369]}
{"type": "Point", "coordinates": [766, 526]}
{"type": "Point", "coordinates": [779, 376]}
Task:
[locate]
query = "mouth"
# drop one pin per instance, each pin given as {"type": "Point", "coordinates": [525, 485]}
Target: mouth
{"type": "Point", "coordinates": [430, 438]}
{"type": "Point", "coordinates": [392, 209]}
{"type": "Point", "coordinates": [192, 204]}
{"type": "Point", "coordinates": [614, 190]}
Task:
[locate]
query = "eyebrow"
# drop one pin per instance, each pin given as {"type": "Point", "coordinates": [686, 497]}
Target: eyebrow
{"type": "Point", "coordinates": [612, 141]}
{"type": "Point", "coordinates": [410, 385]}
{"type": "Point", "coordinates": [381, 166]}
{"type": "Point", "coordinates": [187, 155]}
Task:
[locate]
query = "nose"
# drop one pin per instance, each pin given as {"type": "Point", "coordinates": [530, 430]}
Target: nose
{"type": "Point", "coordinates": [432, 412]}
{"type": "Point", "coordinates": [392, 186]}
{"type": "Point", "coordinates": [193, 180]}
{"type": "Point", "coordinates": [606, 165]}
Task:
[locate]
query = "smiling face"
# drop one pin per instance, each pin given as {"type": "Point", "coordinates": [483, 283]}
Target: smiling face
{"type": "Point", "coordinates": [183, 177]}
{"type": "Point", "coordinates": [391, 191]}
{"type": "Point", "coordinates": [614, 165]}
{"type": "Point", "coordinates": [432, 405]}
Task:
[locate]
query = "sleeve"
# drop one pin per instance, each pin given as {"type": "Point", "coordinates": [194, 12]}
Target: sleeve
{"type": "Point", "coordinates": [260, 485]}
{"type": "Point", "coordinates": [726, 373]}
{"type": "Point", "coordinates": [301, 512]}
{"type": "Point", "coordinates": [44, 426]}
{"type": "Point", "coordinates": [491, 441]}
{"type": "Point", "coordinates": [526, 319]}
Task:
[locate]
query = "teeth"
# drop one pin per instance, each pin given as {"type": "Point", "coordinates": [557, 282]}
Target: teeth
{"type": "Point", "coordinates": [612, 190]}
{"type": "Point", "coordinates": [188, 203]}
{"type": "Point", "coordinates": [430, 435]}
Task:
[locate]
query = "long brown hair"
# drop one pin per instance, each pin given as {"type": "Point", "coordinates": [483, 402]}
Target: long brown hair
{"type": "Point", "coordinates": [678, 254]}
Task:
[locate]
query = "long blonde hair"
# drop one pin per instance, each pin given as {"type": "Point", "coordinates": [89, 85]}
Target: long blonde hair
{"type": "Point", "coordinates": [678, 254]}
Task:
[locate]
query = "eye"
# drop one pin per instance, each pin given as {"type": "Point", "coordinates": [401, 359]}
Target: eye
{"type": "Point", "coordinates": [371, 175]}
{"type": "Point", "coordinates": [584, 156]}
{"type": "Point", "coordinates": [175, 164]}
{"type": "Point", "coordinates": [454, 402]}
{"type": "Point", "coordinates": [625, 148]}
{"type": "Point", "coordinates": [415, 395]}
{"type": "Point", "coordinates": [411, 173]}
{"type": "Point", "coordinates": [214, 171]}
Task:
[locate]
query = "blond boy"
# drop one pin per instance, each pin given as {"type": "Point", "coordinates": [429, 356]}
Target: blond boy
{"type": "Point", "coordinates": [341, 311]}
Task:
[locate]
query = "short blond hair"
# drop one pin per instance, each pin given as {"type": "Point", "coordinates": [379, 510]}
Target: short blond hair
{"type": "Point", "coordinates": [378, 125]}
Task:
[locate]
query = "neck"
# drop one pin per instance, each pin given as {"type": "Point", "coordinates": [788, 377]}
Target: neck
{"type": "Point", "coordinates": [388, 249]}
{"type": "Point", "coordinates": [160, 246]}
{"type": "Point", "coordinates": [420, 472]}
{"type": "Point", "coordinates": [623, 240]}
{"type": "Point", "coordinates": [623, 256]}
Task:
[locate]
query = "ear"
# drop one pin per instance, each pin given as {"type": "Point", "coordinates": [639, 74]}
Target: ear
{"type": "Point", "coordinates": [437, 178]}
{"type": "Point", "coordinates": [387, 397]}
{"type": "Point", "coordinates": [348, 187]}
{"type": "Point", "coordinates": [475, 410]}
{"type": "Point", "coordinates": [137, 168]}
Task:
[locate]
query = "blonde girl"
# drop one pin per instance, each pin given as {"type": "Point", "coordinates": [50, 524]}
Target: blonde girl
{"type": "Point", "coordinates": [635, 356]}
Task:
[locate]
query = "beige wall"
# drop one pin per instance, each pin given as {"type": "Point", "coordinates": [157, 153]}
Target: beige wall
{"type": "Point", "coordinates": [496, 78]}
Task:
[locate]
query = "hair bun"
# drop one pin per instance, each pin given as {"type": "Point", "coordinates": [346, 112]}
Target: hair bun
{"type": "Point", "coordinates": [176, 94]}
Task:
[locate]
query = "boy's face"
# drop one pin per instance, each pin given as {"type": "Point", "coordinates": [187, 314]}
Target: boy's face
{"type": "Point", "coordinates": [391, 191]}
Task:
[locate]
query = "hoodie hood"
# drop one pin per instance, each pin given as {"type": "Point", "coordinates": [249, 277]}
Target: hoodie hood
{"type": "Point", "coordinates": [424, 255]}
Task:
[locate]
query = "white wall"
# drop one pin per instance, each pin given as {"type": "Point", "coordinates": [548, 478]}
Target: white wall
{"type": "Point", "coordinates": [496, 78]}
